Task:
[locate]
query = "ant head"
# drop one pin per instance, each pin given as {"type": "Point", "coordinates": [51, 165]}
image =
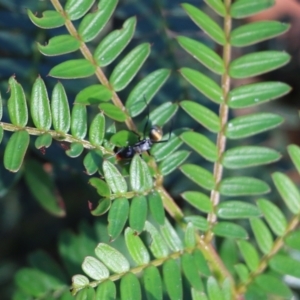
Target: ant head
{"type": "Point", "coordinates": [155, 133]}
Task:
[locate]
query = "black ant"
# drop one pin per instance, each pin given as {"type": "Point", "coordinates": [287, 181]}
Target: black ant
{"type": "Point", "coordinates": [145, 144]}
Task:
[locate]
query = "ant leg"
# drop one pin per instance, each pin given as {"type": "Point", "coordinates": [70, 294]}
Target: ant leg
{"type": "Point", "coordinates": [171, 128]}
{"type": "Point", "coordinates": [116, 153]}
{"type": "Point", "coordinates": [148, 112]}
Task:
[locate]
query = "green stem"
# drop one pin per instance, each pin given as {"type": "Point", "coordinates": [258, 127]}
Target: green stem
{"type": "Point", "coordinates": [62, 137]}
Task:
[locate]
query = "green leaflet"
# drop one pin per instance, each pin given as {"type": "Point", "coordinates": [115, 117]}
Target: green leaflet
{"type": "Point", "coordinates": [93, 94]}
{"type": "Point", "coordinates": [198, 200]}
{"type": "Point", "coordinates": [294, 153]}
{"type": "Point", "coordinates": [16, 104]}
{"type": "Point", "coordinates": [275, 218]}
{"type": "Point", "coordinates": [130, 287]}
{"type": "Point", "coordinates": [117, 217]}
{"type": "Point", "coordinates": [40, 105]}
{"type": "Point", "coordinates": [72, 69]}
{"type": "Point", "coordinates": [152, 283]}
{"type": "Point", "coordinates": [113, 112]}
{"type": "Point", "coordinates": [50, 19]}
{"type": "Point", "coordinates": [97, 130]}
{"type": "Point", "coordinates": [172, 279]}
{"type": "Point", "coordinates": [86, 293]}
{"type": "Point", "coordinates": [237, 186]}
{"type": "Point", "coordinates": [163, 113]}
{"type": "Point", "coordinates": [106, 290]}
{"type": "Point", "coordinates": [203, 54]}
{"type": "Point", "coordinates": [94, 268]}
{"type": "Point", "coordinates": [237, 210]}
{"type": "Point", "coordinates": [256, 32]}
{"type": "Point", "coordinates": [163, 150]}
{"type": "Point", "coordinates": [138, 213]}
{"type": "Point", "coordinates": [79, 281]}
{"type": "Point", "coordinates": [158, 246]}
{"type": "Point", "coordinates": [43, 188]}
{"type": "Point", "coordinates": [242, 272]}
{"type": "Point", "coordinates": [59, 45]}
{"type": "Point", "coordinates": [136, 247]}
{"type": "Point", "coordinates": [103, 206]}
{"type": "Point", "coordinates": [124, 138]}
{"type": "Point", "coordinates": [205, 23]}
{"type": "Point", "coordinates": [156, 207]}
{"type": "Point", "coordinates": [201, 263]}
{"type": "Point", "coordinates": [93, 23]}
{"type": "Point", "coordinates": [190, 236]}
{"type": "Point", "coordinates": [199, 175]}
{"type": "Point", "coordinates": [114, 43]}
{"type": "Point", "coordinates": [113, 178]}
{"type": "Point", "coordinates": [257, 63]}
{"type": "Point", "coordinates": [60, 109]}
{"type": "Point", "coordinates": [76, 9]}
{"type": "Point", "coordinates": [252, 124]}
{"type": "Point", "coordinates": [140, 177]}
{"type": "Point", "coordinates": [248, 156]}
{"type": "Point", "coordinates": [112, 258]}
{"type": "Point", "coordinates": [171, 237]}
{"type": "Point", "coordinates": [75, 150]}
{"type": "Point", "coordinates": [128, 67]}
{"type": "Point", "coordinates": [288, 191]}
{"type": "Point", "coordinates": [217, 5]}
{"type": "Point", "coordinates": [256, 93]}
{"type": "Point", "coordinates": [230, 230]}
{"type": "Point", "coordinates": [285, 265]}
{"type": "Point", "coordinates": [15, 150]}
{"type": "Point", "coordinates": [93, 161]}
{"type": "Point", "coordinates": [293, 240]}
{"type": "Point", "coordinates": [201, 144]}
{"type": "Point", "coordinates": [198, 295]}
{"type": "Point", "coordinates": [141, 95]}
{"type": "Point", "coordinates": [262, 235]}
{"type": "Point", "coordinates": [204, 84]}
{"type": "Point", "coordinates": [245, 8]}
{"type": "Point", "coordinates": [79, 121]}
{"type": "Point", "coordinates": [227, 287]}
{"type": "Point", "coordinates": [213, 290]}
{"type": "Point", "coordinates": [173, 161]}
{"type": "Point", "coordinates": [202, 115]}
{"type": "Point", "coordinates": [250, 254]}
{"type": "Point", "coordinates": [198, 221]}
{"type": "Point", "coordinates": [191, 272]}
{"type": "Point", "coordinates": [272, 285]}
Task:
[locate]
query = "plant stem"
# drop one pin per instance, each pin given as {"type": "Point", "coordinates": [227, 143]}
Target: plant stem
{"type": "Point", "coordinates": [61, 137]}
{"type": "Point", "coordinates": [223, 113]}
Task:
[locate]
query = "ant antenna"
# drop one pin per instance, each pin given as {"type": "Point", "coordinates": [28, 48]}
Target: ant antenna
{"type": "Point", "coordinates": [148, 112]}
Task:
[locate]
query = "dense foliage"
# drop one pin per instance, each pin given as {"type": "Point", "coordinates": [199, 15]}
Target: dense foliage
{"type": "Point", "coordinates": [226, 241]}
